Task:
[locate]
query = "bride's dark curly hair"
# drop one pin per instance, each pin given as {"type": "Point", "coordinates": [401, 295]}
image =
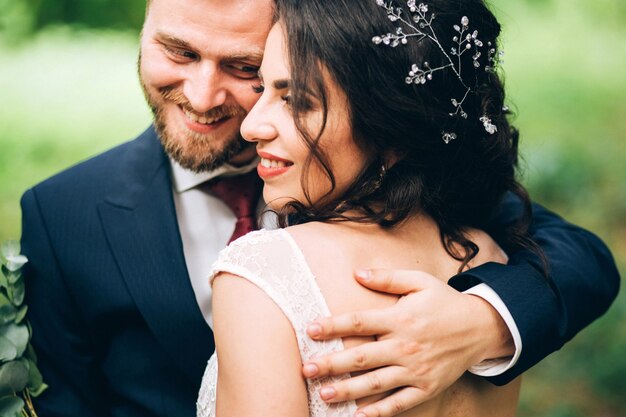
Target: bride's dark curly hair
{"type": "Point", "coordinates": [459, 184]}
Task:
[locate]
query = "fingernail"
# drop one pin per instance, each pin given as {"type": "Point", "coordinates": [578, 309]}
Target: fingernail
{"type": "Point", "coordinates": [360, 414]}
{"type": "Point", "coordinates": [310, 370]}
{"type": "Point", "coordinates": [364, 274]}
{"type": "Point", "coordinates": [314, 330]}
{"type": "Point", "coordinates": [327, 393]}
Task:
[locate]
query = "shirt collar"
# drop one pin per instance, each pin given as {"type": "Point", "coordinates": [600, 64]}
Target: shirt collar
{"type": "Point", "coordinates": [184, 179]}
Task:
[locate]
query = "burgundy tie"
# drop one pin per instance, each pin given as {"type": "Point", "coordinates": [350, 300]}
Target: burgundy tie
{"type": "Point", "coordinates": [241, 194]}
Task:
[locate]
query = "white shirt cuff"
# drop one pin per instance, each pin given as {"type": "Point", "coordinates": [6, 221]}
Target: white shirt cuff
{"type": "Point", "coordinates": [493, 367]}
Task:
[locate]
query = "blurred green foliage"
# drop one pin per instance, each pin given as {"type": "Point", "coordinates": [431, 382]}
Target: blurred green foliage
{"type": "Point", "coordinates": [19, 18]}
{"type": "Point", "coordinates": [69, 90]}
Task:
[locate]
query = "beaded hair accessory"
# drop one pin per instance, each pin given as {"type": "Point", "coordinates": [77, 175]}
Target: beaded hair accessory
{"type": "Point", "coordinates": [465, 41]}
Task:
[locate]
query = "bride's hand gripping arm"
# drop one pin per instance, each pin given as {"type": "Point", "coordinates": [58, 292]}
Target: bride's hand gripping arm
{"type": "Point", "coordinates": [259, 360]}
{"type": "Point", "coordinates": [436, 334]}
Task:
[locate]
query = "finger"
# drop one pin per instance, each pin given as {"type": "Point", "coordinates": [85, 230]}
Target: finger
{"type": "Point", "coordinates": [358, 323]}
{"type": "Point", "coordinates": [360, 358]}
{"type": "Point", "coordinates": [371, 383]}
{"type": "Point", "coordinates": [394, 404]}
{"type": "Point", "coordinates": [395, 281]}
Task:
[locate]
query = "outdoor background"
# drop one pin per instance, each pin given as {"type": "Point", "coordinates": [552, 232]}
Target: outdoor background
{"type": "Point", "coordinates": [68, 90]}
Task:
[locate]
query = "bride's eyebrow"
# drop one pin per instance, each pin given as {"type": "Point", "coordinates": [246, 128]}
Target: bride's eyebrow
{"type": "Point", "coordinates": [281, 84]}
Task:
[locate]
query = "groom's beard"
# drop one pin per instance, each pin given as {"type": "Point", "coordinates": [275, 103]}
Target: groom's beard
{"type": "Point", "coordinates": [195, 151]}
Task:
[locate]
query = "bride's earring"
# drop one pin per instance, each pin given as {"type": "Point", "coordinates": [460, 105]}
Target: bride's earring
{"type": "Point", "coordinates": [381, 176]}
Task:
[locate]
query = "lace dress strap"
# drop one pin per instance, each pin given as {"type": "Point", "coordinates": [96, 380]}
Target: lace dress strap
{"type": "Point", "coordinates": [273, 261]}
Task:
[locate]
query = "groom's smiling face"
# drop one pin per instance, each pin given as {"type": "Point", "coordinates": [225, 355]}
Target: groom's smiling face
{"type": "Point", "coordinates": [198, 64]}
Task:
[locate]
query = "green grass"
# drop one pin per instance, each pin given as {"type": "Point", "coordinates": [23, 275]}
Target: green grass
{"type": "Point", "coordinates": [67, 95]}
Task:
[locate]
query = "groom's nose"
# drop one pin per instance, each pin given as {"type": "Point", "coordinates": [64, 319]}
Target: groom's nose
{"type": "Point", "coordinates": [205, 87]}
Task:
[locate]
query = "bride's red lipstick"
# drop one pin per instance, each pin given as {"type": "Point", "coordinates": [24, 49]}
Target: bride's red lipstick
{"type": "Point", "coordinates": [268, 172]}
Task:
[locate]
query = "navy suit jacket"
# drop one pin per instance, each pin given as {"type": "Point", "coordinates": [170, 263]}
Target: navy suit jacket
{"type": "Point", "coordinates": [115, 321]}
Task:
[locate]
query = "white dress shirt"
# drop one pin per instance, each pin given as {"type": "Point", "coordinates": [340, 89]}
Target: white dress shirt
{"type": "Point", "coordinates": [206, 225]}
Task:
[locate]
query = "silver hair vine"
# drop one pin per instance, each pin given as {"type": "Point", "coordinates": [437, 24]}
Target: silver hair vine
{"type": "Point", "coordinates": [465, 41]}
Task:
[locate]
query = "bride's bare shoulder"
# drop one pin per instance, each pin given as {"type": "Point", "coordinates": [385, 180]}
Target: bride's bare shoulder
{"type": "Point", "coordinates": [316, 238]}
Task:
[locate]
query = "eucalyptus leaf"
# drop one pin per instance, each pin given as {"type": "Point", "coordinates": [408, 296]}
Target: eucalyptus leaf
{"type": "Point", "coordinates": [4, 300]}
{"type": "Point", "coordinates": [34, 376]}
{"type": "Point", "coordinates": [10, 248]}
{"type": "Point", "coordinates": [35, 384]}
{"type": "Point", "coordinates": [13, 377]}
{"type": "Point", "coordinates": [8, 351]}
{"type": "Point", "coordinates": [14, 263]}
{"type": "Point", "coordinates": [10, 293]}
{"type": "Point", "coordinates": [5, 275]}
{"type": "Point", "coordinates": [19, 289]}
{"type": "Point", "coordinates": [38, 391]}
{"type": "Point", "coordinates": [11, 257]}
{"type": "Point", "coordinates": [30, 353]}
{"type": "Point", "coordinates": [8, 314]}
{"type": "Point", "coordinates": [11, 406]}
{"type": "Point", "coordinates": [14, 276]}
{"type": "Point", "coordinates": [17, 334]}
{"type": "Point", "coordinates": [26, 363]}
{"type": "Point", "coordinates": [21, 314]}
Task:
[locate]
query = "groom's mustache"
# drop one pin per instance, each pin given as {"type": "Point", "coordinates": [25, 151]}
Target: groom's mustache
{"type": "Point", "coordinates": [176, 96]}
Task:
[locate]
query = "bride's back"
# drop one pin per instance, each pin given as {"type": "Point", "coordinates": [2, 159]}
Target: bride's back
{"type": "Point", "coordinates": [335, 251]}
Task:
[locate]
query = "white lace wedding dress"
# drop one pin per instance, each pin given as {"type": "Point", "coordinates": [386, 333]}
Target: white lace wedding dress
{"type": "Point", "coordinates": [272, 261]}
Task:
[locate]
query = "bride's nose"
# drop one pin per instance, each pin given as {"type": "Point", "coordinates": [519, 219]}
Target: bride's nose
{"type": "Point", "coordinates": [257, 126]}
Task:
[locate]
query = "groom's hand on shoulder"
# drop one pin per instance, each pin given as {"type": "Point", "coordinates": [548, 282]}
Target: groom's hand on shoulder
{"type": "Point", "coordinates": [424, 343]}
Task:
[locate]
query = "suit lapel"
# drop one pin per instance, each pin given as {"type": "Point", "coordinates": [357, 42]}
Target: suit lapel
{"type": "Point", "coordinates": [139, 220]}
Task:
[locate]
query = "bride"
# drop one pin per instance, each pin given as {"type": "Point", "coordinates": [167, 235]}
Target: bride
{"type": "Point", "coordinates": [384, 142]}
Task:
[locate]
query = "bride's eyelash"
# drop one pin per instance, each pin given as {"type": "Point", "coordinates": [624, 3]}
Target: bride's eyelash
{"type": "Point", "coordinates": [261, 88]}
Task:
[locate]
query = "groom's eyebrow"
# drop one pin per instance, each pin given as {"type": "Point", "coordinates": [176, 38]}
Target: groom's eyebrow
{"type": "Point", "coordinates": [243, 56]}
{"type": "Point", "coordinates": [165, 37]}
{"type": "Point", "coordinates": [253, 55]}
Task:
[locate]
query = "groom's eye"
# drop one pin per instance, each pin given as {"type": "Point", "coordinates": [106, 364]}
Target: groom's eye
{"type": "Point", "coordinates": [180, 54]}
{"type": "Point", "coordinates": [243, 71]}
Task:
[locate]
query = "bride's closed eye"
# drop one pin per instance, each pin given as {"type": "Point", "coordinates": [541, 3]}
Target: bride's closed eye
{"type": "Point", "coordinates": [259, 89]}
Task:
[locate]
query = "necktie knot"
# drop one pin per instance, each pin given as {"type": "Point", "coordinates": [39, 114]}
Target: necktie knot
{"type": "Point", "coordinates": [241, 194]}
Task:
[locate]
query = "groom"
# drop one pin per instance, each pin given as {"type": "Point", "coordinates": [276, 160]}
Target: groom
{"type": "Point", "coordinates": [119, 245]}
